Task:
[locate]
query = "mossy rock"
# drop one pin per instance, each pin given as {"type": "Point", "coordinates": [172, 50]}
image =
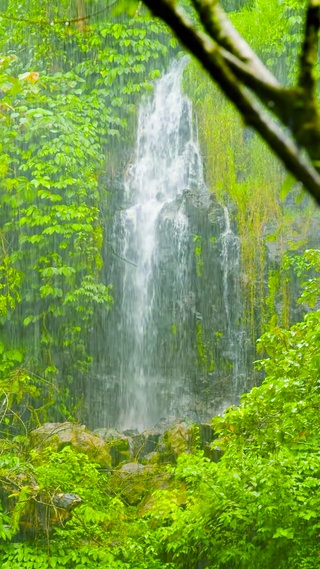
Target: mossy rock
{"type": "Point", "coordinates": [145, 443]}
{"type": "Point", "coordinates": [107, 434]}
{"type": "Point", "coordinates": [119, 451]}
{"type": "Point", "coordinates": [120, 445]}
{"type": "Point", "coordinates": [174, 493]}
{"type": "Point", "coordinates": [133, 481]}
{"type": "Point", "coordinates": [32, 509]}
{"type": "Point", "coordinates": [60, 435]}
{"type": "Point", "coordinates": [181, 438]}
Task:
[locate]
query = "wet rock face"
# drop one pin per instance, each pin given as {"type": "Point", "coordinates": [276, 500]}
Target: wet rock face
{"type": "Point", "coordinates": [195, 357]}
{"type": "Point", "coordinates": [169, 346]}
{"type": "Point", "coordinates": [207, 356]}
{"type": "Point", "coordinates": [164, 443]}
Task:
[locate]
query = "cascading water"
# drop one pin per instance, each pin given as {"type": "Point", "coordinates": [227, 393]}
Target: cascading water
{"type": "Point", "coordinates": [167, 161]}
{"type": "Point", "coordinates": [230, 254]}
{"type": "Point", "coordinates": [230, 243]}
{"type": "Point", "coordinates": [173, 335]}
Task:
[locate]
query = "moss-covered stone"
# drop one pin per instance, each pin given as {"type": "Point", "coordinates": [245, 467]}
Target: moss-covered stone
{"type": "Point", "coordinates": [119, 445]}
{"type": "Point", "coordinates": [180, 438]}
{"type": "Point", "coordinates": [176, 490]}
{"type": "Point", "coordinates": [59, 435]}
{"type": "Point", "coordinates": [133, 481]}
{"type": "Point", "coordinates": [145, 443]}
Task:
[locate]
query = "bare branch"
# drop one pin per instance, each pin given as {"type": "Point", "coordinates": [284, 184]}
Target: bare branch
{"type": "Point", "coordinates": [209, 54]}
{"type": "Point", "coordinates": [278, 99]}
{"type": "Point", "coordinates": [219, 28]}
{"type": "Point", "coordinates": [65, 21]}
{"type": "Point", "coordinates": [309, 54]}
{"type": "Point", "coordinates": [120, 257]}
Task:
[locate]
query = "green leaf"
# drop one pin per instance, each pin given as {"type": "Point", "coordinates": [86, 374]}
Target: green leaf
{"type": "Point", "coordinates": [281, 532]}
{"type": "Point", "coordinates": [287, 186]}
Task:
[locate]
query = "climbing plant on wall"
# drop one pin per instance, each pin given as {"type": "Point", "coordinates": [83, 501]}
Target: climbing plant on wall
{"type": "Point", "coordinates": [68, 89]}
{"type": "Point", "coordinates": [240, 168]}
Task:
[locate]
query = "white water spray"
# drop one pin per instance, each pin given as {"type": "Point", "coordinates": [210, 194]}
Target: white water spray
{"type": "Point", "coordinates": [167, 162]}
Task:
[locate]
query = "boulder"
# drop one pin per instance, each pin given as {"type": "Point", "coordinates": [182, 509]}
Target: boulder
{"type": "Point", "coordinates": [213, 452]}
{"type": "Point", "coordinates": [133, 468]}
{"type": "Point", "coordinates": [59, 435]}
{"type": "Point", "coordinates": [146, 442]}
{"type": "Point", "coordinates": [133, 482]}
{"type": "Point", "coordinates": [34, 510]}
{"type": "Point", "coordinates": [119, 445]}
{"type": "Point", "coordinates": [181, 437]}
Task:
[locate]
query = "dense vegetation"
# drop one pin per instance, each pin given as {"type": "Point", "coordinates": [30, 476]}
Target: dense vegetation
{"type": "Point", "coordinates": [256, 507]}
{"type": "Point", "coordinates": [68, 100]}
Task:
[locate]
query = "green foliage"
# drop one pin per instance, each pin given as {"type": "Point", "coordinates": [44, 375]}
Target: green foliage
{"type": "Point", "coordinates": [258, 506]}
{"type": "Point", "coordinates": [205, 349]}
{"type": "Point", "coordinates": [69, 95]}
{"type": "Point", "coordinates": [198, 253]}
{"type": "Point", "coordinates": [309, 262]}
{"type": "Point", "coordinates": [101, 532]}
{"type": "Point", "coordinates": [274, 30]}
{"type": "Point", "coordinates": [10, 280]}
{"type": "Point", "coordinates": [67, 100]}
{"type": "Point", "coordinates": [255, 508]}
{"type": "Point", "coordinates": [241, 170]}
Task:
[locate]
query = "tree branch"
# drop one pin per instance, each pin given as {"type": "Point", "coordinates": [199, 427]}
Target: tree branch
{"type": "Point", "coordinates": [209, 54]}
{"type": "Point", "coordinates": [120, 257]}
{"type": "Point", "coordinates": [309, 54]}
{"type": "Point", "coordinates": [65, 21]}
{"type": "Point", "coordinates": [219, 28]}
{"type": "Point", "coordinates": [278, 99]}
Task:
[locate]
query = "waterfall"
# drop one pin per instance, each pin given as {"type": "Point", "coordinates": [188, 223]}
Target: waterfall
{"type": "Point", "coordinates": [167, 162]}
{"type": "Point", "coordinates": [234, 336]}
{"type": "Point", "coordinates": [172, 345]}
{"type": "Point", "coordinates": [230, 253]}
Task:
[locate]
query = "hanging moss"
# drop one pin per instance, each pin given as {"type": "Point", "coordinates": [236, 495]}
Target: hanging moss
{"type": "Point", "coordinates": [245, 176]}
